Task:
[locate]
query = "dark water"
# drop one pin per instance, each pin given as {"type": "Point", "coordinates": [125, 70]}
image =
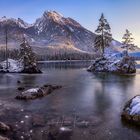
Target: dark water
{"type": "Point", "coordinates": [95, 98]}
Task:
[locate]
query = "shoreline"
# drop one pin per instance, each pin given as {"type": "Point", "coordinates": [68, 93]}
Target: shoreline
{"type": "Point", "coordinates": [54, 61]}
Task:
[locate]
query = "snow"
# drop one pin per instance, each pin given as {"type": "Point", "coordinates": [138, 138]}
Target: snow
{"type": "Point", "coordinates": [3, 19]}
{"type": "Point", "coordinates": [70, 28]}
{"type": "Point", "coordinates": [23, 24]}
{"type": "Point", "coordinates": [13, 65]}
{"type": "Point", "coordinates": [56, 16]}
{"type": "Point", "coordinates": [135, 106]}
{"type": "Point", "coordinates": [18, 21]}
{"type": "Point", "coordinates": [32, 90]}
{"type": "Point", "coordinates": [114, 63]}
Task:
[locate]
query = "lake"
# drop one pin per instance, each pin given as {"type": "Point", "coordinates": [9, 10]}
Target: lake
{"type": "Point", "coordinates": [92, 102]}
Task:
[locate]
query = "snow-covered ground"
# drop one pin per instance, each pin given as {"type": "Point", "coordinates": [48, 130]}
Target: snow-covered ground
{"type": "Point", "coordinates": [13, 66]}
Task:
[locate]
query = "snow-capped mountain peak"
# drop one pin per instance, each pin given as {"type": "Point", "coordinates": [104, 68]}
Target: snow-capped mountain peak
{"type": "Point", "coordinates": [3, 19]}
{"type": "Point", "coordinates": [10, 21]}
{"type": "Point", "coordinates": [49, 17]}
{"type": "Point", "coordinates": [22, 23]}
{"type": "Point", "coordinates": [53, 15]}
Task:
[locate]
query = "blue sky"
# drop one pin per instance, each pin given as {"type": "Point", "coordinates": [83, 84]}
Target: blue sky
{"type": "Point", "coordinates": [121, 14]}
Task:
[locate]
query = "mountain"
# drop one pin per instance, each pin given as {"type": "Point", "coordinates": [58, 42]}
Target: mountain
{"type": "Point", "coordinates": [52, 33]}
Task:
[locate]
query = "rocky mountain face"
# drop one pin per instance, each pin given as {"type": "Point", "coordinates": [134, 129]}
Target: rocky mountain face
{"type": "Point", "coordinates": [52, 33]}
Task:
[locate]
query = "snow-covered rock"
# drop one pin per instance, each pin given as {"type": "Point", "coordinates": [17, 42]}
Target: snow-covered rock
{"type": "Point", "coordinates": [124, 65]}
{"type": "Point", "coordinates": [4, 138]}
{"type": "Point", "coordinates": [131, 111]}
{"type": "Point", "coordinates": [4, 127]}
{"type": "Point", "coordinates": [35, 93]}
{"type": "Point", "coordinates": [13, 66]}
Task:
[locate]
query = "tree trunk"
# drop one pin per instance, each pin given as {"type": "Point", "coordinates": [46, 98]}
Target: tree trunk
{"type": "Point", "coordinates": [103, 43]}
{"type": "Point", "coordinates": [6, 49]}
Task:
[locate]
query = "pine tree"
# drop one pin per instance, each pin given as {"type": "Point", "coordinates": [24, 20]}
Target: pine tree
{"type": "Point", "coordinates": [27, 56]}
{"type": "Point", "coordinates": [128, 41]}
{"type": "Point", "coordinates": [104, 36]}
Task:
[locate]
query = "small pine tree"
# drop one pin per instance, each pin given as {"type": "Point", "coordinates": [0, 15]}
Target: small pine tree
{"type": "Point", "coordinates": [27, 56]}
{"type": "Point", "coordinates": [128, 41]}
{"type": "Point", "coordinates": [104, 36]}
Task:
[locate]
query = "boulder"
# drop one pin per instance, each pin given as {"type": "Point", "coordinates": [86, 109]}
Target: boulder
{"type": "Point", "coordinates": [35, 93]}
{"type": "Point", "coordinates": [3, 138]}
{"type": "Point", "coordinates": [4, 127]}
{"type": "Point", "coordinates": [131, 111]}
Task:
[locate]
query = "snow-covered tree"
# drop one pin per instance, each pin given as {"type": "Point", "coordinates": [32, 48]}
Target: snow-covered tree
{"type": "Point", "coordinates": [127, 42]}
{"type": "Point", "coordinates": [27, 56]}
{"type": "Point", "coordinates": [104, 36]}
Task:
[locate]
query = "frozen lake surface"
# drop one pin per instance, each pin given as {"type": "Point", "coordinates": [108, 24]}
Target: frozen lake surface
{"type": "Point", "coordinates": [95, 100]}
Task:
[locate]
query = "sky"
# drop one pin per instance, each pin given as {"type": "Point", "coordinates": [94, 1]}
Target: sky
{"type": "Point", "coordinates": [121, 14]}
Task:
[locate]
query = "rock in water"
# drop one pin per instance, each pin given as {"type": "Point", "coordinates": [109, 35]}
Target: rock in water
{"type": "Point", "coordinates": [35, 93]}
{"type": "Point", "coordinates": [16, 67]}
{"type": "Point", "coordinates": [3, 138]}
{"type": "Point", "coordinates": [124, 65]}
{"type": "Point", "coordinates": [31, 70]}
{"type": "Point", "coordinates": [4, 127]}
{"type": "Point", "coordinates": [131, 111]}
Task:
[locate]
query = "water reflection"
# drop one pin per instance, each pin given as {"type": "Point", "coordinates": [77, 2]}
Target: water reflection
{"type": "Point", "coordinates": [67, 64]}
{"type": "Point", "coordinates": [99, 95]}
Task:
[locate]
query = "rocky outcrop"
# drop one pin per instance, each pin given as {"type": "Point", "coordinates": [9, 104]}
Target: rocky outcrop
{"type": "Point", "coordinates": [13, 66]}
{"type": "Point", "coordinates": [16, 67]}
{"type": "Point", "coordinates": [31, 70]}
{"type": "Point", "coordinates": [35, 93]}
{"type": "Point", "coordinates": [131, 111]}
{"type": "Point", "coordinates": [124, 65]}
